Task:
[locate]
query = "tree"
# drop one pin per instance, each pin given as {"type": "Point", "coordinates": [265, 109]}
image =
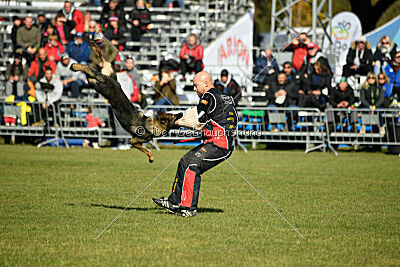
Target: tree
{"type": "Point", "coordinates": [368, 13]}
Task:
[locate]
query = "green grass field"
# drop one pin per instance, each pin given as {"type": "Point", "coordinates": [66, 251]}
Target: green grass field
{"type": "Point", "coordinates": [54, 201]}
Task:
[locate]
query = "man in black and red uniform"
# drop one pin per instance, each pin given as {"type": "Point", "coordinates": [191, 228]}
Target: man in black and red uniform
{"type": "Point", "coordinates": [218, 113]}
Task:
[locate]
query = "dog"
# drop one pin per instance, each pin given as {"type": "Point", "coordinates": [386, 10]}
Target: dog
{"type": "Point", "coordinates": [142, 128]}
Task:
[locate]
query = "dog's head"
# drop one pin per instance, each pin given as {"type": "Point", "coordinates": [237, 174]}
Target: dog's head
{"type": "Point", "coordinates": [165, 121]}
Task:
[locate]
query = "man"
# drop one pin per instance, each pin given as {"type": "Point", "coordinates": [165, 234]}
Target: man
{"type": "Point", "coordinates": [359, 58]}
{"type": "Point", "coordinates": [191, 56]}
{"type": "Point", "coordinates": [49, 89]}
{"type": "Point", "coordinates": [79, 49]}
{"type": "Point", "coordinates": [28, 37]}
{"type": "Point", "coordinates": [228, 86]}
{"type": "Point", "coordinates": [36, 71]}
{"type": "Point", "coordinates": [283, 92]}
{"type": "Point", "coordinates": [109, 52]}
{"type": "Point", "coordinates": [219, 114]}
{"type": "Point", "coordinates": [91, 33]}
{"type": "Point", "coordinates": [342, 95]}
{"type": "Point", "coordinates": [266, 67]}
{"type": "Point", "coordinates": [71, 80]}
{"type": "Point", "coordinates": [42, 22]}
{"type": "Point", "coordinates": [299, 48]}
{"type": "Point", "coordinates": [75, 15]}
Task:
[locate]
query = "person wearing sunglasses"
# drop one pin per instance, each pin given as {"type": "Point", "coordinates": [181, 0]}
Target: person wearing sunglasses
{"type": "Point", "coordinates": [387, 86]}
{"type": "Point", "coordinates": [372, 97]}
{"type": "Point", "coordinates": [384, 54]}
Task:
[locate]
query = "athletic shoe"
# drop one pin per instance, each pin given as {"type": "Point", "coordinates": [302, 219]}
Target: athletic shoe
{"type": "Point", "coordinates": [166, 204]}
{"type": "Point", "coordinates": [187, 213]}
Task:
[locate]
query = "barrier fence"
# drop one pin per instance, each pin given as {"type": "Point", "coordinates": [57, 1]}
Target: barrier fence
{"type": "Point", "coordinates": [309, 126]}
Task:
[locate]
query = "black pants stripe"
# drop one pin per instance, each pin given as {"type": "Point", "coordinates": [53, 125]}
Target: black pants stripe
{"type": "Point", "coordinates": [186, 187]}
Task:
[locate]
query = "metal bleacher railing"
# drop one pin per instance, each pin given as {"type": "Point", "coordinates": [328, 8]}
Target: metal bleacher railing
{"type": "Point", "coordinates": [309, 126]}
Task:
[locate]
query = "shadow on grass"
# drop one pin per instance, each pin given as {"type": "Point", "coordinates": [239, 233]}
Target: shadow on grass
{"type": "Point", "coordinates": [200, 210]}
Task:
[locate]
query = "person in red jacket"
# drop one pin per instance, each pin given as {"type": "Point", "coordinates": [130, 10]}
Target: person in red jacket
{"type": "Point", "coordinates": [36, 71]}
{"type": "Point", "coordinates": [76, 15]}
{"type": "Point", "coordinates": [54, 48]}
{"type": "Point", "coordinates": [191, 56]}
{"type": "Point", "coordinates": [299, 48]}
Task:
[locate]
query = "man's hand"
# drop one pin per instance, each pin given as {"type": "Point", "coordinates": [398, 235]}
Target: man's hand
{"type": "Point", "coordinates": [280, 92]}
{"type": "Point", "coordinates": [114, 42]}
{"type": "Point", "coordinates": [44, 106]}
{"type": "Point", "coordinates": [135, 22]}
{"type": "Point", "coordinates": [353, 67]}
{"type": "Point", "coordinates": [31, 50]}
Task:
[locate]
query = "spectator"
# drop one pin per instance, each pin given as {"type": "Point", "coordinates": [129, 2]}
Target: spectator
{"type": "Point", "coordinates": [88, 19]}
{"type": "Point", "coordinates": [175, 3]}
{"type": "Point", "coordinates": [135, 75]}
{"type": "Point", "coordinates": [385, 53]}
{"type": "Point", "coordinates": [165, 89]}
{"type": "Point", "coordinates": [49, 89]}
{"type": "Point", "coordinates": [372, 97]}
{"type": "Point", "coordinates": [50, 30]}
{"type": "Point", "coordinates": [92, 123]}
{"type": "Point", "coordinates": [79, 50]}
{"type": "Point", "coordinates": [342, 96]}
{"type": "Point", "coordinates": [358, 59]}
{"type": "Point", "coordinates": [91, 33]}
{"type": "Point", "coordinates": [228, 86]}
{"type": "Point", "coordinates": [191, 56]}
{"type": "Point", "coordinates": [314, 54]}
{"type": "Point", "coordinates": [282, 92]}
{"type": "Point", "coordinates": [392, 71]}
{"type": "Point", "coordinates": [17, 24]}
{"type": "Point", "coordinates": [318, 86]}
{"type": "Point", "coordinates": [64, 28]}
{"type": "Point", "coordinates": [295, 77]}
{"type": "Point", "coordinates": [16, 75]}
{"type": "Point", "coordinates": [299, 48]}
{"type": "Point", "coordinates": [266, 67]}
{"type": "Point", "coordinates": [28, 38]}
{"type": "Point", "coordinates": [36, 71]}
{"type": "Point", "coordinates": [71, 80]}
{"type": "Point", "coordinates": [387, 86]}
{"type": "Point", "coordinates": [42, 22]}
{"type": "Point", "coordinates": [140, 19]}
{"type": "Point", "coordinates": [54, 48]}
{"type": "Point", "coordinates": [109, 52]}
{"type": "Point", "coordinates": [115, 33]}
{"type": "Point", "coordinates": [112, 9]}
{"type": "Point", "coordinates": [72, 14]}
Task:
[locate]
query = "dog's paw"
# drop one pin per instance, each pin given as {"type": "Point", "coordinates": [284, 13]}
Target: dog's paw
{"type": "Point", "coordinates": [151, 159]}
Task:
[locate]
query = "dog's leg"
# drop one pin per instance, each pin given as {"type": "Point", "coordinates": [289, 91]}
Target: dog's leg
{"type": "Point", "coordinates": [137, 143]}
{"type": "Point", "coordinates": [107, 68]}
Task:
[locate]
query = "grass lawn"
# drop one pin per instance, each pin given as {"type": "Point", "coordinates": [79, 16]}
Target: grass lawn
{"type": "Point", "coordinates": [54, 201]}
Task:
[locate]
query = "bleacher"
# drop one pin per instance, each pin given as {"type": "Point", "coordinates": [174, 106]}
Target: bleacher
{"type": "Point", "coordinates": [170, 27]}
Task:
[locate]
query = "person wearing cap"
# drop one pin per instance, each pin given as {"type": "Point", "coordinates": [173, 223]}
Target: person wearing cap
{"type": "Point", "coordinates": [140, 19]}
{"type": "Point", "coordinates": [228, 86]}
{"type": "Point", "coordinates": [72, 81]}
{"type": "Point", "coordinates": [314, 54]}
{"type": "Point", "coordinates": [359, 58]}
{"type": "Point", "coordinates": [108, 50]}
{"type": "Point", "coordinates": [28, 37]}
{"type": "Point", "coordinates": [54, 48]}
{"type": "Point", "coordinates": [112, 9]}
{"type": "Point", "coordinates": [70, 13]}
{"type": "Point", "coordinates": [266, 67]}
{"type": "Point", "coordinates": [36, 70]}
{"type": "Point", "coordinates": [342, 96]}
{"type": "Point", "coordinates": [299, 49]}
{"type": "Point", "coordinates": [115, 33]}
{"type": "Point", "coordinates": [79, 50]}
{"type": "Point", "coordinates": [42, 21]}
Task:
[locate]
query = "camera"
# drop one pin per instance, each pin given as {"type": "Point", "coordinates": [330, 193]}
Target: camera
{"type": "Point", "coordinates": [302, 41]}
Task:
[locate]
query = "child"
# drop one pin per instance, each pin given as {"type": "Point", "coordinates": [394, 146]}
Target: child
{"type": "Point", "coordinates": [92, 123]}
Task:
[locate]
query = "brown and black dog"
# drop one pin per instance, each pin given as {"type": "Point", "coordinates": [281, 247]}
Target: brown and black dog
{"type": "Point", "coordinates": [142, 128]}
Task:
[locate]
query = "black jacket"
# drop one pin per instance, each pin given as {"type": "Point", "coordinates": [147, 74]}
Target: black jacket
{"type": "Point", "coordinates": [319, 82]}
{"type": "Point", "coordinates": [380, 55]}
{"type": "Point", "coordinates": [338, 96]}
{"type": "Point", "coordinates": [373, 96]}
{"type": "Point", "coordinates": [291, 89]}
{"type": "Point", "coordinates": [351, 55]}
{"type": "Point", "coordinates": [232, 89]}
{"type": "Point", "coordinates": [143, 15]}
{"type": "Point", "coordinates": [108, 13]}
{"type": "Point", "coordinates": [118, 36]}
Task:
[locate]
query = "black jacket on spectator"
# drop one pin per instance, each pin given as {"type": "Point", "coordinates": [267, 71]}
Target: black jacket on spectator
{"type": "Point", "coordinates": [291, 89]}
{"type": "Point", "coordinates": [143, 15]}
{"type": "Point", "coordinates": [14, 31]}
{"type": "Point", "coordinates": [338, 96]}
{"type": "Point", "coordinates": [231, 88]}
{"type": "Point", "coordinates": [43, 26]}
{"type": "Point", "coordinates": [68, 27]}
{"type": "Point", "coordinates": [118, 36]}
{"type": "Point", "coordinates": [108, 13]}
{"type": "Point", "coordinates": [380, 55]}
{"type": "Point", "coordinates": [309, 62]}
{"type": "Point", "coordinates": [373, 96]}
{"type": "Point", "coordinates": [365, 61]}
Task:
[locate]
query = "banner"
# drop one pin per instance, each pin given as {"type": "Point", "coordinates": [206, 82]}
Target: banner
{"type": "Point", "coordinates": [232, 50]}
{"type": "Point", "coordinates": [346, 27]}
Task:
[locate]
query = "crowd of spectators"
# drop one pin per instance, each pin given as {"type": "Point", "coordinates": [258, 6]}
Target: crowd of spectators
{"type": "Point", "coordinates": [306, 81]}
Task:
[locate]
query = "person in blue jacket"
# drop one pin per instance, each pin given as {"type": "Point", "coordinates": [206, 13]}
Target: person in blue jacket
{"type": "Point", "coordinates": [266, 67]}
{"type": "Point", "coordinates": [79, 49]}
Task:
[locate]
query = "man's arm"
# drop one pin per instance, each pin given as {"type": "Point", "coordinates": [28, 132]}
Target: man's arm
{"type": "Point", "coordinates": [206, 106]}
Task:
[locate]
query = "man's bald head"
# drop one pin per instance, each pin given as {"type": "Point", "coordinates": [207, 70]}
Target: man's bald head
{"type": "Point", "coordinates": [202, 82]}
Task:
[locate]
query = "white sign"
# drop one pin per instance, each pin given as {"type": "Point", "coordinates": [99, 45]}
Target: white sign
{"type": "Point", "coordinates": [346, 28]}
{"type": "Point", "coordinates": [232, 50]}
